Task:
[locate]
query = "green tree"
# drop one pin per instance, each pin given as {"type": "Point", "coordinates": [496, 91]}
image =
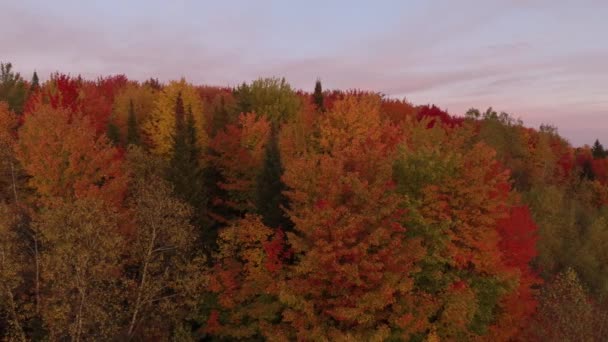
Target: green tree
{"type": "Point", "coordinates": [132, 131]}
{"type": "Point", "coordinates": [185, 171]}
{"type": "Point", "coordinates": [318, 96]}
{"type": "Point", "coordinates": [597, 150]}
{"type": "Point", "coordinates": [270, 187]}
{"type": "Point", "coordinates": [13, 89]}
{"type": "Point", "coordinates": [272, 97]}
{"type": "Point", "coordinates": [35, 84]}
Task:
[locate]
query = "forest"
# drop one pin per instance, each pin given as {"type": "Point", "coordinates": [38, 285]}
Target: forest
{"type": "Point", "coordinates": [151, 211]}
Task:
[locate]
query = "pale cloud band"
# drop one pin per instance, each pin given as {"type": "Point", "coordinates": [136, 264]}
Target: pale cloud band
{"type": "Point", "coordinates": [542, 60]}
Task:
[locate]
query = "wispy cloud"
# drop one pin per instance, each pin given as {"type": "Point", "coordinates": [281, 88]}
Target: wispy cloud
{"type": "Point", "coordinates": [536, 58]}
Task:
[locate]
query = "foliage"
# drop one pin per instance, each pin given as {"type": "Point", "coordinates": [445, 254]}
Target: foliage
{"type": "Point", "coordinates": [13, 89]}
{"type": "Point", "coordinates": [170, 273]}
{"type": "Point", "coordinates": [238, 153]}
{"type": "Point", "coordinates": [80, 270]}
{"type": "Point", "coordinates": [270, 97]}
{"type": "Point", "coordinates": [65, 160]}
{"type": "Point", "coordinates": [264, 213]}
{"type": "Point", "coordinates": [160, 126]}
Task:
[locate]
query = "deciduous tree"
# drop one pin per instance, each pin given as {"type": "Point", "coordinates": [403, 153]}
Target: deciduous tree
{"type": "Point", "coordinates": [66, 160]}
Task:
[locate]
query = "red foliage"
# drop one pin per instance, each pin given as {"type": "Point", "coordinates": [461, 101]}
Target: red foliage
{"type": "Point", "coordinates": [397, 110]}
{"type": "Point", "coordinates": [518, 238]}
{"type": "Point", "coordinates": [276, 252]}
{"type": "Point", "coordinates": [213, 323]}
{"type": "Point", "coordinates": [435, 114]}
{"type": "Point", "coordinates": [208, 93]}
{"type": "Point", "coordinates": [600, 170]}
{"type": "Point", "coordinates": [96, 106]}
{"type": "Point", "coordinates": [518, 247]}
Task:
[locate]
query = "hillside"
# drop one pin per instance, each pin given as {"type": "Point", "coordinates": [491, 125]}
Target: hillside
{"type": "Point", "coordinates": [150, 211]}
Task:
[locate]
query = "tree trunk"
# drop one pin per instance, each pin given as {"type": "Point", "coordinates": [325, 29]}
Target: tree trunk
{"type": "Point", "coordinates": [138, 301]}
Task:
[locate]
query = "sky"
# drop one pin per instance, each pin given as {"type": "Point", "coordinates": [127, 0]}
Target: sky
{"type": "Point", "coordinates": [541, 61]}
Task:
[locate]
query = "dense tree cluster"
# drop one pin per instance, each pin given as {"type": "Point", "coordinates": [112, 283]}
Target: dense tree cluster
{"type": "Point", "coordinates": [149, 211]}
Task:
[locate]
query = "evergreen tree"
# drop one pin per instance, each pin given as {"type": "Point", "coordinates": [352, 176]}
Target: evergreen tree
{"type": "Point", "coordinates": [185, 171]}
{"type": "Point", "coordinates": [35, 82]}
{"type": "Point", "coordinates": [598, 150]}
{"type": "Point", "coordinates": [270, 187]}
{"type": "Point", "coordinates": [318, 96]}
{"type": "Point", "coordinates": [153, 83]}
{"type": "Point", "coordinates": [113, 133]}
{"type": "Point", "coordinates": [132, 132]}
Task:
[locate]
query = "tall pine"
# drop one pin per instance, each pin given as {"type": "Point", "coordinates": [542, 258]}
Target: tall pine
{"type": "Point", "coordinates": [35, 84]}
{"type": "Point", "coordinates": [185, 171]}
{"type": "Point", "coordinates": [317, 96]}
{"type": "Point", "coordinates": [132, 132]}
{"type": "Point", "coordinates": [270, 187]}
{"type": "Point", "coordinates": [598, 150]}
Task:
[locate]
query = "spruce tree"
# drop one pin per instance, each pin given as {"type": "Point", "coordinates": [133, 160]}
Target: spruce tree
{"type": "Point", "coordinates": [35, 82]}
{"type": "Point", "coordinates": [598, 150]}
{"type": "Point", "coordinates": [132, 132]}
{"type": "Point", "coordinates": [185, 171]}
{"type": "Point", "coordinates": [318, 96]}
{"type": "Point", "coordinates": [270, 187]}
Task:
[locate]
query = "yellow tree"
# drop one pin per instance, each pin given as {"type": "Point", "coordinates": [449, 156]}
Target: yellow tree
{"type": "Point", "coordinates": [160, 126]}
{"type": "Point", "coordinates": [81, 270]}
{"type": "Point", "coordinates": [143, 98]}
{"type": "Point", "coordinates": [170, 272]}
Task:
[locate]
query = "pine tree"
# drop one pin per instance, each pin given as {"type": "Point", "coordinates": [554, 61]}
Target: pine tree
{"type": "Point", "coordinates": [185, 171]}
{"type": "Point", "coordinates": [35, 82]}
{"type": "Point", "coordinates": [318, 96]}
{"type": "Point", "coordinates": [270, 187]}
{"type": "Point", "coordinates": [132, 133]}
{"type": "Point", "coordinates": [598, 150]}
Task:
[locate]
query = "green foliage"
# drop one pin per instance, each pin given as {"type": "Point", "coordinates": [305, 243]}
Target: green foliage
{"type": "Point", "coordinates": [572, 234]}
{"type": "Point", "coordinates": [13, 88]}
{"type": "Point", "coordinates": [597, 150]}
{"type": "Point", "coordinates": [317, 96]}
{"type": "Point", "coordinates": [35, 84]}
{"type": "Point", "coordinates": [185, 171]}
{"type": "Point", "coordinates": [488, 291]}
{"type": "Point", "coordinates": [271, 97]}
{"type": "Point", "coordinates": [269, 188]}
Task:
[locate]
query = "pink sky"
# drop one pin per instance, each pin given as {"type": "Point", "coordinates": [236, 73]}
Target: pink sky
{"type": "Point", "coordinates": [542, 61]}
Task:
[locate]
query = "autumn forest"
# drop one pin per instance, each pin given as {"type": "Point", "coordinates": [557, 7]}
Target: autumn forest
{"type": "Point", "coordinates": [149, 211]}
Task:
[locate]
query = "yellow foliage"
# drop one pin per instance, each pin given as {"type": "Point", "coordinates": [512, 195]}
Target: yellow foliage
{"type": "Point", "coordinates": [143, 98]}
{"type": "Point", "coordinates": [160, 127]}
